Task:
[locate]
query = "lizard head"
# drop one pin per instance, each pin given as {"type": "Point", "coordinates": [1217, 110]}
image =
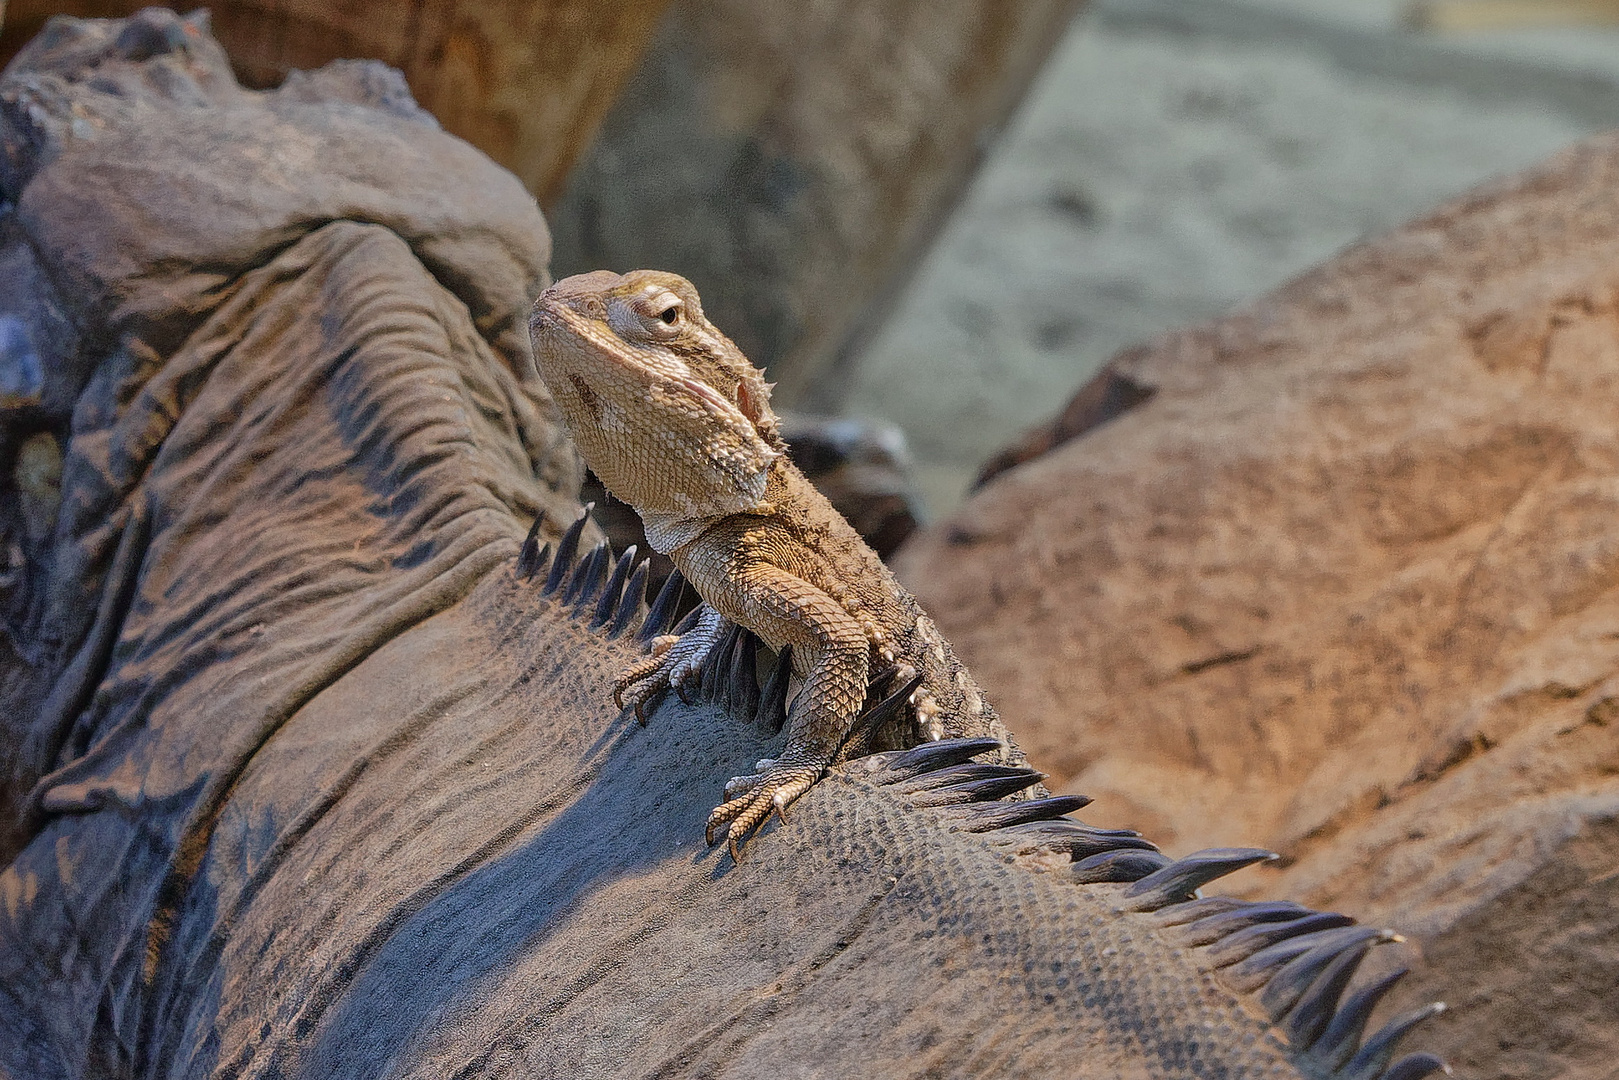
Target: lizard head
{"type": "Point", "coordinates": [665, 409]}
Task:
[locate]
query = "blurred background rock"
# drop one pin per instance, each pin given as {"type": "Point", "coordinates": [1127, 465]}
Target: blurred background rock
{"type": "Point", "coordinates": [1175, 159]}
{"type": "Point", "coordinates": [526, 82]}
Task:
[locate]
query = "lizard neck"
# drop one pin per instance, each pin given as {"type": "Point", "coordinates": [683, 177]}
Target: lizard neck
{"type": "Point", "coordinates": [665, 532]}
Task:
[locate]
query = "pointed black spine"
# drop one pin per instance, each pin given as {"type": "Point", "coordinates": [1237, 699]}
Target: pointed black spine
{"type": "Point", "coordinates": [528, 557]}
{"type": "Point", "coordinates": [987, 817]}
{"type": "Point", "coordinates": [613, 590]}
{"type": "Point", "coordinates": [1247, 976]}
{"type": "Point", "coordinates": [1195, 910]}
{"type": "Point", "coordinates": [1126, 865]}
{"type": "Point", "coordinates": [991, 782]}
{"type": "Point", "coordinates": [688, 620]}
{"type": "Point", "coordinates": [1180, 880]}
{"type": "Point", "coordinates": [712, 676]}
{"type": "Point", "coordinates": [965, 773]}
{"type": "Point", "coordinates": [1222, 924]}
{"type": "Point", "coordinates": [1308, 1016]}
{"type": "Point", "coordinates": [772, 711]}
{"type": "Point", "coordinates": [742, 679]}
{"type": "Point", "coordinates": [663, 609]}
{"type": "Point", "coordinates": [566, 548]}
{"type": "Point", "coordinates": [629, 604]}
{"type": "Point", "coordinates": [1292, 982]}
{"type": "Point", "coordinates": [581, 590]}
{"type": "Point", "coordinates": [1338, 1043]}
{"type": "Point", "coordinates": [880, 713]}
{"type": "Point", "coordinates": [1076, 840]}
{"type": "Point", "coordinates": [897, 766]}
{"type": "Point", "coordinates": [862, 735]}
{"type": "Point", "coordinates": [1372, 1061]}
{"type": "Point", "coordinates": [1239, 945]}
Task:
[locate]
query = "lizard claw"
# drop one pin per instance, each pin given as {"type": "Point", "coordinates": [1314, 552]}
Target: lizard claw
{"type": "Point", "coordinates": [674, 660]}
{"type": "Point", "coordinates": [766, 794]}
{"type": "Point", "coordinates": [650, 668]}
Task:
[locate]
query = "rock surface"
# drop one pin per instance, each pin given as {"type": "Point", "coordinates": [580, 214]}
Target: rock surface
{"type": "Point", "coordinates": [151, 203]}
{"type": "Point", "coordinates": [1344, 582]}
{"type": "Point", "coordinates": [526, 82]}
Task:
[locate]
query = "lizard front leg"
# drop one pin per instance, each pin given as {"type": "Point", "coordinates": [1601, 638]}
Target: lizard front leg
{"type": "Point", "coordinates": [675, 659]}
{"type": "Point", "coordinates": [788, 610]}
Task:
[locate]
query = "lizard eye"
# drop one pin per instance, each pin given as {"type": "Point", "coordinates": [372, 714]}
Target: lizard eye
{"type": "Point", "coordinates": [664, 306]}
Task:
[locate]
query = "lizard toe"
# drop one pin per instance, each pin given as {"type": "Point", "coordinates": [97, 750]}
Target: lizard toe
{"type": "Point", "coordinates": [738, 786]}
{"type": "Point", "coordinates": [641, 697]}
{"type": "Point", "coordinates": [686, 675]}
{"type": "Point", "coordinates": [765, 794]}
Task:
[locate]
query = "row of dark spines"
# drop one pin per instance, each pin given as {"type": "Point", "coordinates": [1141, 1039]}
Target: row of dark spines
{"type": "Point", "coordinates": [1296, 963]}
{"type": "Point", "coordinates": [608, 596]}
{"type": "Point", "coordinates": [605, 593]}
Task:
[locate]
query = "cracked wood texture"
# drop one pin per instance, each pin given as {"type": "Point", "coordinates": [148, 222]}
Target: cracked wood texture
{"type": "Point", "coordinates": [1343, 581]}
{"type": "Point", "coordinates": [525, 81]}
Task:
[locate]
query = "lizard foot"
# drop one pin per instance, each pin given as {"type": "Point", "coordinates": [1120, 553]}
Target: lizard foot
{"type": "Point", "coordinates": [757, 798]}
{"type": "Point", "coordinates": [676, 660]}
{"type": "Point", "coordinates": [642, 684]}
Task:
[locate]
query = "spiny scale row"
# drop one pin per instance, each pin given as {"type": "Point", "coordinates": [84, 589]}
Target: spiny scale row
{"type": "Point", "coordinates": [1295, 962]}
{"type": "Point", "coordinates": [612, 599]}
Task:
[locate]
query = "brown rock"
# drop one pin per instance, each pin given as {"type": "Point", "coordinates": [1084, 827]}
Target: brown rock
{"type": "Point", "coordinates": [525, 81]}
{"type": "Point", "coordinates": [1347, 586]}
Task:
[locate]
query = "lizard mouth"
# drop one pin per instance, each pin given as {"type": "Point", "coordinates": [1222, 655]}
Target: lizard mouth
{"type": "Point", "coordinates": [707, 394]}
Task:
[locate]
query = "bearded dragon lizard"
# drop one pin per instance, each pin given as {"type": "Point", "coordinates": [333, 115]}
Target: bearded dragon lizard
{"type": "Point", "coordinates": [676, 422]}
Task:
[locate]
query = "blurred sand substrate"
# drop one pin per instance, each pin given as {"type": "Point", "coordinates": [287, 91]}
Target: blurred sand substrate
{"type": "Point", "coordinates": [1166, 168]}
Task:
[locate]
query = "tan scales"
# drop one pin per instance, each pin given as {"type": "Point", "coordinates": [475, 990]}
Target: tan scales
{"type": "Point", "coordinates": [676, 422]}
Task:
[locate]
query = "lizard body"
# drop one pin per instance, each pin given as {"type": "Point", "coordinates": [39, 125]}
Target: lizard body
{"type": "Point", "coordinates": [676, 422]}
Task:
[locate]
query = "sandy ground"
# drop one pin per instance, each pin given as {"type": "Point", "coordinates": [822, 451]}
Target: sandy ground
{"type": "Point", "coordinates": [1160, 174]}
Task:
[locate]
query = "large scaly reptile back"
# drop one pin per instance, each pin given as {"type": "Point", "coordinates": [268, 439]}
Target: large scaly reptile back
{"type": "Point", "coordinates": [908, 923]}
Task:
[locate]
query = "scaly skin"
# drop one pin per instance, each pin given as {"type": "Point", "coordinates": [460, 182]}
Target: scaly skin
{"type": "Point", "coordinates": [677, 423]}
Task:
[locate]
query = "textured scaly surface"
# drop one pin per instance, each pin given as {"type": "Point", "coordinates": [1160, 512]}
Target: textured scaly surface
{"type": "Point", "coordinates": [916, 921]}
